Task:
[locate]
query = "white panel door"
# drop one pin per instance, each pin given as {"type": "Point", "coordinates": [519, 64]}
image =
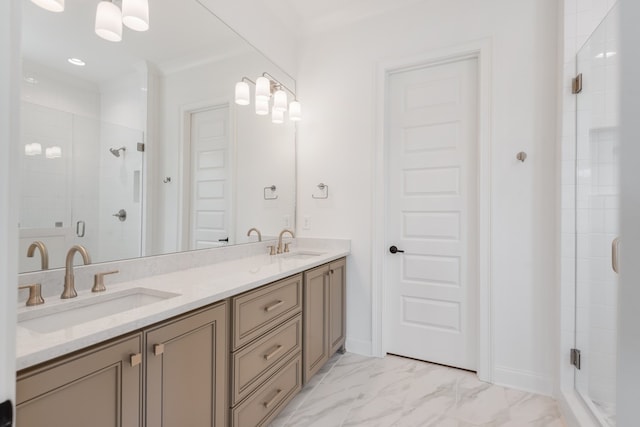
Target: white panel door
{"type": "Point", "coordinates": [210, 178]}
{"type": "Point", "coordinates": [432, 213]}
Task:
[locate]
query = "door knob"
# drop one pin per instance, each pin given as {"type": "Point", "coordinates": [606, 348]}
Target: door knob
{"type": "Point", "coordinates": [394, 250]}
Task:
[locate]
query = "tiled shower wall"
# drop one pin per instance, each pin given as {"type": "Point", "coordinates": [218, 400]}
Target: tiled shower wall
{"type": "Point", "coordinates": [581, 17]}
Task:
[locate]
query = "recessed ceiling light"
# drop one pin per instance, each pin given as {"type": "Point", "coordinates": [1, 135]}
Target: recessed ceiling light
{"type": "Point", "coordinates": [77, 61]}
{"type": "Point", "coordinates": [31, 80]}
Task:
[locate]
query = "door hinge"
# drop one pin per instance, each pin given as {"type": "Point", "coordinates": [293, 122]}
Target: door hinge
{"type": "Point", "coordinates": [575, 357]}
{"type": "Point", "coordinates": [576, 84]}
{"type": "Point", "coordinates": [141, 147]}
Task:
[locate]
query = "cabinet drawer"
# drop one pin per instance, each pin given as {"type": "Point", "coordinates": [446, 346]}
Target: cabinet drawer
{"type": "Point", "coordinates": [257, 311]}
{"type": "Point", "coordinates": [263, 405]}
{"type": "Point", "coordinates": [260, 359]}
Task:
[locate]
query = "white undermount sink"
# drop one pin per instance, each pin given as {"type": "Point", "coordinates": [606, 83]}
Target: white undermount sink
{"type": "Point", "coordinates": [302, 254]}
{"type": "Point", "coordinates": [50, 319]}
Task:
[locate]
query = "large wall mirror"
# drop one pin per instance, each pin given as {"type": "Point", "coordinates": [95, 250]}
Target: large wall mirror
{"type": "Point", "coordinates": [136, 148]}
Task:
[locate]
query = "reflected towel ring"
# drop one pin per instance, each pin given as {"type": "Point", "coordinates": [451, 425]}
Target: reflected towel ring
{"type": "Point", "coordinates": [325, 190]}
{"type": "Point", "coordinates": [273, 190]}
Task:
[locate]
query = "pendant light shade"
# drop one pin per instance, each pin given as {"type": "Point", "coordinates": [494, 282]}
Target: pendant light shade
{"type": "Point", "coordinates": [263, 88]}
{"type": "Point", "coordinates": [262, 106]}
{"type": "Point", "coordinates": [295, 111]}
{"type": "Point", "coordinates": [109, 21]}
{"type": "Point", "coordinates": [277, 116]}
{"type": "Point", "coordinates": [50, 5]}
{"type": "Point", "coordinates": [135, 14]}
{"type": "Point", "coordinates": [280, 101]}
{"type": "Point", "coordinates": [242, 93]}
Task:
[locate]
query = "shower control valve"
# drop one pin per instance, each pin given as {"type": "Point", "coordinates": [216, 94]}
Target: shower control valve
{"type": "Point", "coordinates": [121, 215]}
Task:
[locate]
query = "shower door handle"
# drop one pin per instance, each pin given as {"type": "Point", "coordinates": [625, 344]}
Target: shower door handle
{"type": "Point", "coordinates": [615, 251]}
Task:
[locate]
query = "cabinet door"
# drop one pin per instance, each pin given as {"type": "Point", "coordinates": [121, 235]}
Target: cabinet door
{"type": "Point", "coordinates": [337, 304]}
{"type": "Point", "coordinates": [97, 387]}
{"type": "Point", "coordinates": [315, 319]}
{"type": "Point", "coordinates": [187, 370]}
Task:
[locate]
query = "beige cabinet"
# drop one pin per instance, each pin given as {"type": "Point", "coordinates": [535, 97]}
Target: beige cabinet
{"type": "Point", "coordinates": [186, 370]}
{"type": "Point", "coordinates": [266, 364]}
{"type": "Point", "coordinates": [101, 386]}
{"type": "Point", "coordinates": [185, 365]}
{"type": "Point", "coordinates": [323, 315]}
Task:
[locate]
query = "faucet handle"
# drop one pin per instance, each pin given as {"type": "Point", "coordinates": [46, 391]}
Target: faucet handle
{"type": "Point", "coordinates": [35, 294]}
{"type": "Point", "coordinates": [272, 249]}
{"type": "Point", "coordinates": [286, 246]}
{"type": "Point", "coordinates": [98, 281]}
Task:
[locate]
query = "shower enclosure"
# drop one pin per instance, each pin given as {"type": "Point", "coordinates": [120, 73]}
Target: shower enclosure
{"type": "Point", "coordinates": [597, 218]}
{"type": "Point", "coordinates": [73, 184]}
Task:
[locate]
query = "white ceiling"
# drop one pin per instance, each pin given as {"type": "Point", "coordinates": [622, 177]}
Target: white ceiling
{"type": "Point", "coordinates": [181, 32]}
{"type": "Point", "coordinates": [305, 17]}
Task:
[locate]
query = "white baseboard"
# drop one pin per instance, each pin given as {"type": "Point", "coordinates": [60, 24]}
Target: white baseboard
{"type": "Point", "coordinates": [360, 347]}
{"type": "Point", "coordinates": [523, 380]}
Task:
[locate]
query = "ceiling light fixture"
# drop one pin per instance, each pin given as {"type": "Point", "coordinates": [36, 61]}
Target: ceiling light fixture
{"type": "Point", "coordinates": [135, 14]}
{"type": "Point", "coordinates": [267, 87]}
{"type": "Point", "coordinates": [77, 61]}
{"type": "Point", "coordinates": [109, 21]}
{"type": "Point", "coordinates": [50, 5]}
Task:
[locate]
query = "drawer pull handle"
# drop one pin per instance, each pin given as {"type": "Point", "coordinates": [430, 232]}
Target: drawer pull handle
{"type": "Point", "coordinates": [269, 403]}
{"type": "Point", "coordinates": [273, 353]}
{"type": "Point", "coordinates": [136, 359]}
{"type": "Point", "coordinates": [158, 349]}
{"type": "Point", "coordinates": [273, 306]}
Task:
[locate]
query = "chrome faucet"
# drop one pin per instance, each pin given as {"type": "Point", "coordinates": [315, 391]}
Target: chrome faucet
{"type": "Point", "coordinates": [44, 254]}
{"type": "Point", "coordinates": [257, 231]}
{"type": "Point", "coordinates": [286, 246]}
{"type": "Point", "coordinates": [69, 279]}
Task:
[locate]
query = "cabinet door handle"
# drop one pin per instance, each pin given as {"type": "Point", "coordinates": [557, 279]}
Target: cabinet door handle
{"type": "Point", "coordinates": [273, 306]}
{"type": "Point", "coordinates": [136, 359]}
{"type": "Point", "coordinates": [273, 399]}
{"type": "Point", "coordinates": [158, 349]}
{"type": "Point", "coordinates": [273, 353]}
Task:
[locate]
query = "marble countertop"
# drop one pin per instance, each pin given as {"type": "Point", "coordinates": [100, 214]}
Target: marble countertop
{"type": "Point", "coordinates": [196, 287]}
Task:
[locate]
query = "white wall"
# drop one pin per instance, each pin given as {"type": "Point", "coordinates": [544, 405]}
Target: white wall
{"type": "Point", "coordinates": [9, 133]}
{"type": "Point", "coordinates": [629, 293]}
{"type": "Point", "coordinates": [336, 146]}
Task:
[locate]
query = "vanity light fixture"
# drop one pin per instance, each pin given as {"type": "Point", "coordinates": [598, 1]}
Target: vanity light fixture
{"type": "Point", "coordinates": [268, 87]}
{"type": "Point", "coordinates": [135, 14]}
{"type": "Point", "coordinates": [50, 5]}
{"type": "Point", "coordinates": [109, 21]}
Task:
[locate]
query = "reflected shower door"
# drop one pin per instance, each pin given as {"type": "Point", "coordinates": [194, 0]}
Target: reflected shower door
{"type": "Point", "coordinates": [597, 218]}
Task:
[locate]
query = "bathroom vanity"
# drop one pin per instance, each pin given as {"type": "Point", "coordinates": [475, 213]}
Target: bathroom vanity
{"type": "Point", "coordinates": [227, 344]}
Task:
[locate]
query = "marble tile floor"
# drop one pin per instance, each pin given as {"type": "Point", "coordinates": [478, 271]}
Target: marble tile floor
{"type": "Point", "coordinates": [353, 390]}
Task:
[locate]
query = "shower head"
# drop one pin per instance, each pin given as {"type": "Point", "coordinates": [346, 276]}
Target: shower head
{"type": "Point", "coordinates": [116, 151]}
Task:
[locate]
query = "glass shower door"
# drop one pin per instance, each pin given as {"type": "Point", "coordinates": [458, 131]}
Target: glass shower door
{"type": "Point", "coordinates": [597, 218]}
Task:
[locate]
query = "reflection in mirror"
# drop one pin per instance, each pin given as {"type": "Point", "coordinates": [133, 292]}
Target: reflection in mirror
{"type": "Point", "coordinates": [141, 150]}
